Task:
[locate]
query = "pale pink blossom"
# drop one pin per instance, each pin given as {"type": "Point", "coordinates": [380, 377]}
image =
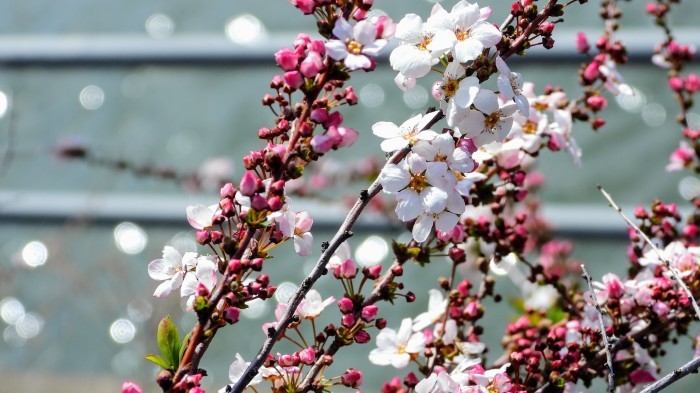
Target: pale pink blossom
{"type": "Point", "coordinates": [398, 137]}
{"type": "Point", "coordinates": [355, 45]}
{"type": "Point", "coordinates": [313, 304]}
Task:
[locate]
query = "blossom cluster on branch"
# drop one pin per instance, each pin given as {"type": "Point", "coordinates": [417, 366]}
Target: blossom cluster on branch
{"type": "Point", "coordinates": [466, 191]}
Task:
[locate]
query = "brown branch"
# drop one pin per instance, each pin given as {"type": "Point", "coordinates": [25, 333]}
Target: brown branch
{"type": "Point", "coordinates": [608, 353]}
{"type": "Point", "coordinates": [688, 368]}
{"type": "Point", "coordinates": [525, 36]}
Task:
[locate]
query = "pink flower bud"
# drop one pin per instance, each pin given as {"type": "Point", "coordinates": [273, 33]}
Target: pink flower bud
{"type": "Point", "coordinates": [311, 65]}
{"type": "Point", "coordinates": [275, 203]}
{"type": "Point", "coordinates": [317, 46]}
{"type": "Point", "coordinates": [348, 136]}
{"type": "Point", "coordinates": [372, 272]}
{"type": "Point", "coordinates": [411, 380]}
{"type": "Point", "coordinates": [591, 72]}
{"type": "Point", "coordinates": [464, 287]}
{"type": "Point", "coordinates": [351, 98]}
{"type": "Point", "coordinates": [306, 6]}
{"type": "Point", "coordinates": [347, 269]}
{"type": "Point", "coordinates": [302, 39]}
{"type": "Point", "coordinates": [471, 310]}
{"type": "Point", "coordinates": [385, 27]}
{"type": "Point", "coordinates": [203, 237]}
{"type": "Point", "coordinates": [285, 360]}
{"type": "Point", "coordinates": [319, 115]}
{"type": "Point", "coordinates": [468, 144]}
{"type": "Point", "coordinates": [352, 378]}
{"type": "Point", "coordinates": [216, 237]}
{"type": "Point", "coordinates": [347, 320]}
{"type": "Point", "coordinates": [546, 28]}
{"type": "Point", "coordinates": [596, 102]}
{"type": "Point", "coordinates": [361, 337]}
{"type": "Point", "coordinates": [249, 183]}
{"type": "Point", "coordinates": [231, 315]}
{"type": "Point", "coordinates": [294, 79]}
{"type": "Point", "coordinates": [582, 43]}
{"type": "Point", "coordinates": [307, 356]}
{"type": "Point", "coordinates": [346, 305]}
{"type": "Point", "coordinates": [369, 312]}
{"type": "Point", "coordinates": [641, 376]}
{"type": "Point", "coordinates": [692, 83]}
{"type": "Point", "coordinates": [228, 191]}
{"type": "Point", "coordinates": [613, 285]}
{"type": "Point", "coordinates": [276, 82]}
{"type": "Point", "coordinates": [321, 143]}
{"type": "Point", "coordinates": [287, 59]}
{"type": "Point", "coordinates": [256, 265]}
{"type": "Point", "coordinates": [130, 387]}
{"type": "Point", "coordinates": [676, 84]}
{"type": "Point", "coordinates": [234, 266]}
{"type": "Point", "coordinates": [334, 119]}
{"type": "Point", "coordinates": [202, 290]}
{"type": "Point", "coordinates": [258, 202]}
{"type": "Point", "coordinates": [597, 123]}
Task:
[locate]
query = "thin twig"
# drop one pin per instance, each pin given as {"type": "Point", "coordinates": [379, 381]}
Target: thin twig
{"type": "Point", "coordinates": [343, 233]}
{"type": "Point", "coordinates": [656, 250]}
{"type": "Point", "coordinates": [688, 368]}
{"type": "Point", "coordinates": [611, 373]}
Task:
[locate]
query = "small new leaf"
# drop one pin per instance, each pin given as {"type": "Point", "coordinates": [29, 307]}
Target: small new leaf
{"type": "Point", "coordinates": [159, 361]}
{"type": "Point", "coordinates": [168, 340]}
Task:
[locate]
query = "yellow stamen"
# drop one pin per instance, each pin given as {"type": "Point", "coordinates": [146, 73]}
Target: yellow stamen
{"type": "Point", "coordinates": [418, 182]}
{"type": "Point", "coordinates": [492, 120]}
{"type": "Point", "coordinates": [451, 88]}
{"type": "Point", "coordinates": [354, 47]}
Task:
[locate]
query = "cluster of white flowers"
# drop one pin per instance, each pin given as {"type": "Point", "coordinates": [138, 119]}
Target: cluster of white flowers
{"type": "Point", "coordinates": [186, 272]}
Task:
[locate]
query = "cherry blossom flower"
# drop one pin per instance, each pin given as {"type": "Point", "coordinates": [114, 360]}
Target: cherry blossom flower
{"type": "Point", "coordinates": [510, 84]}
{"type": "Point", "coordinates": [341, 254]}
{"type": "Point", "coordinates": [204, 273]}
{"type": "Point", "coordinates": [355, 44]}
{"type": "Point", "coordinates": [463, 31]}
{"type": "Point", "coordinates": [560, 135]}
{"type": "Point", "coordinates": [444, 221]}
{"type": "Point", "coordinates": [298, 225]}
{"type": "Point", "coordinates": [417, 52]}
{"type": "Point", "coordinates": [171, 269]}
{"type": "Point", "coordinates": [490, 122]}
{"type": "Point", "coordinates": [613, 80]}
{"type": "Point", "coordinates": [416, 188]}
{"type": "Point", "coordinates": [411, 131]}
{"type": "Point", "coordinates": [441, 154]}
{"type": "Point", "coordinates": [437, 305]}
{"type": "Point", "coordinates": [200, 216]}
{"type": "Point", "coordinates": [530, 129]}
{"type": "Point", "coordinates": [397, 348]}
{"type": "Point", "coordinates": [683, 259]}
{"type": "Point", "coordinates": [455, 92]}
{"type": "Point", "coordinates": [236, 371]}
{"type": "Point", "coordinates": [681, 158]}
{"type": "Point", "coordinates": [313, 304]}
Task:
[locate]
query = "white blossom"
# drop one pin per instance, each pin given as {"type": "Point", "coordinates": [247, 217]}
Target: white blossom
{"type": "Point", "coordinates": [397, 348]}
{"type": "Point", "coordinates": [437, 306]}
{"type": "Point", "coordinates": [510, 85]}
{"type": "Point", "coordinates": [171, 269]}
{"type": "Point", "coordinates": [490, 122]}
{"type": "Point", "coordinates": [313, 304]}
{"type": "Point", "coordinates": [456, 92]}
{"type": "Point", "coordinates": [411, 131]}
{"type": "Point", "coordinates": [200, 216]}
{"type": "Point", "coordinates": [416, 52]}
{"type": "Point", "coordinates": [355, 44]}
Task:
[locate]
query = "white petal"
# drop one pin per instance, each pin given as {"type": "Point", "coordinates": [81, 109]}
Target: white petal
{"type": "Point", "coordinates": [455, 204]}
{"type": "Point", "coordinates": [356, 62]}
{"type": "Point", "coordinates": [403, 82]}
{"type": "Point", "coordinates": [425, 149]}
{"type": "Point", "coordinates": [502, 66]}
{"type": "Point", "coordinates": [388, 340]}
{"type": "Point", "coordinates": [422, 227]}
{"type": "Point", "coordinates": [393, 144]}
{"type": "Point", "coordinates": [343, 30]}
{"type": "Point", "coordinates": [465, 14]}
{"type": "Point", "coordinates": [189, 285]}
{"type": "Point", "coordinates": [409, 205]}
{"type": "Point", "coordinates": [468, 50]}
{"type": "Point", "coordinates": [416, 344]}
{"type": "Point", "coordinates": [409, 28]}
{"type": "Point", "coordinates": [416, 163]}
{"type": "Point", "coordinates": [394, 178]}
{"type": "Point", "coordinates": [446, 221]}
{"type": "Point", "coordinates": [364, 32]}
{"type": "Point", "coordinates": [434, 199]}
{"type": "Point", "coordinates": [486, 33]}
{"type": "Point", "coordinates": [375, 48]}
{"type": "Point", "coordinates": [467, 92]}
{"type": "Point", "coordinates": [199, 216]}
{"type": "Point", "coordinates": [454, 71]}
{"type": "Point", "coordinates": [163, 289]}
{"type": "Point", "coordinates": [411, 61]}
{"type": "Point", "coordinates": [337, 50]}
{"type": "Point", "coordinates": [486, 101]}
{"type": "Point", "coordinates": [523, 104]}
{"type": "Point", "coordinates": [302, 244]}
{"type": "Point", "coordinates": [160, 270]}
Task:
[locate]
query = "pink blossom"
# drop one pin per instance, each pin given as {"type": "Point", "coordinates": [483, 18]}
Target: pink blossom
{"type": "Point", "coordinates": [692, 83]}
{"type": "Point", "coordinates": [306, 6]}
{"type": "Point", "coordinates": [597, 102]}
{"type": "Point", "coordinates": [307, 356]}
{"type": "Point", "coordinates": [582, 43]}
{"type": "Point", "coordinates": [613, 285]}
{"type": "Point", "coordinates": [352, 378]}
{"type": "Point", "coordinates": [592, 71]}
{"type": "Point", "coordinates": [681, 158]}
{"type": "Point", "coordinates": [294, 79]}
{"type": "Point", "coordinates": [130, 387]}
{"type": "Point", "coordinates": [311, 65]}
{"type": "Point", "coordinates": [347, 269]}
{"type": "Point", "coordinates": [287, 59]}
{"type": "Point", "coordinates": [346, 305]}
{"type": "Point", "coordinates": [675, 83]}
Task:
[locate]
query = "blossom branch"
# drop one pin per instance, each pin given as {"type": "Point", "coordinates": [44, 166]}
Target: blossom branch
{"type": "Point", "coordinates": [603, 332]}
{"type": "Point", "coordinates": [689, 368]}
{"type": "Point", "coordinates": [656, 250]}
{"type": "Point", "coordinates": [343, 233]}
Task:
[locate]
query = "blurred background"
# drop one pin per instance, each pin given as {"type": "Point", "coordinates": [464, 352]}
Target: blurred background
{"type": "Point", "coordinates": [176, 85]}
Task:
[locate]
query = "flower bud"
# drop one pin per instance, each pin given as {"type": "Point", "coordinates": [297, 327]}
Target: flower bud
{"type": "Point", "coordinates": [234, 266]}
{"type": "Point", "coordinates": [410, 297]}
{"type": "Point", "coordinates": [293, 79]}
{"type": "Point", "coordinates": [596, 102]}
{"type": "Point", "coordinates": [676, 83]}
{"type": "Point", "coordinates": [352, 378]}
{"type": "Point", "coordinates": [258, 202]}
{"type": "Point", "coordinates": [307, 356]}
{"type": "Point", "coordinates": [227, 191]}
{"type": "Point", "coordinates": [372, 272]}
{"type": "Point", "coordinates": [231, 315]}
{"type": "Point", "coordinates": [348, 320]}
{"type": "Point", "coordinates": [380, 323]}
{"type": "Point", "coordinates": [361, 337]}
{"type": "Point", "coordinates": [287, 59]}
{"type": "Point", "coordinates": [369, 312]}
{"type": "Point", "coordinates": [311, 65]}
{"type": "Point", "coordinates": [275, 203]}
{"type": "Point", "coordinates": [203, 237]}
{"type": "Point", "coordinates": [347, 269]}
{"type": "Point", "coordinates": [346, 305]}
{"type": "Point", "coordinates": [411, 380]}
{"type": "Point", "coordinates": [132, 387]}
{"type": "Point", "coordinates": [248, 184]}
{"type": "Point", "coordinates": [216, 237]}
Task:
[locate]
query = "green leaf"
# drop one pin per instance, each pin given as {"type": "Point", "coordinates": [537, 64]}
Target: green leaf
{"type": "Point", "coordinates": [159, 361]}
{"type": "Point", "coordinates": [169, 341]}
{"type": "Point", "coordinates": [184, 345]}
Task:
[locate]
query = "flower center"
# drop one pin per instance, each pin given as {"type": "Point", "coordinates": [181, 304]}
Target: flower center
{"type": "Point", "coordinates": [491, 121]}
{"type": "Point", "coordinates": [401, 349]}
{"type": "Point", "coordinates": [530, 127]}
{"type": "Point", "coordinates": [418, 182]}
{"type": "Point", "coordinates": [298, 232]}
{"type": "Point", "coordinates": [540, 106]}
{"type": "Point", "coordinates": [354, 47]}
{"type": "Point", "coordinates": [462, 35]}
{"type": "Point", "coordinates": [451, 88]}
{"type": "Point", "coordinates": [440, 158]}
{"type": "Point", "coordinates": [427, 39]}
